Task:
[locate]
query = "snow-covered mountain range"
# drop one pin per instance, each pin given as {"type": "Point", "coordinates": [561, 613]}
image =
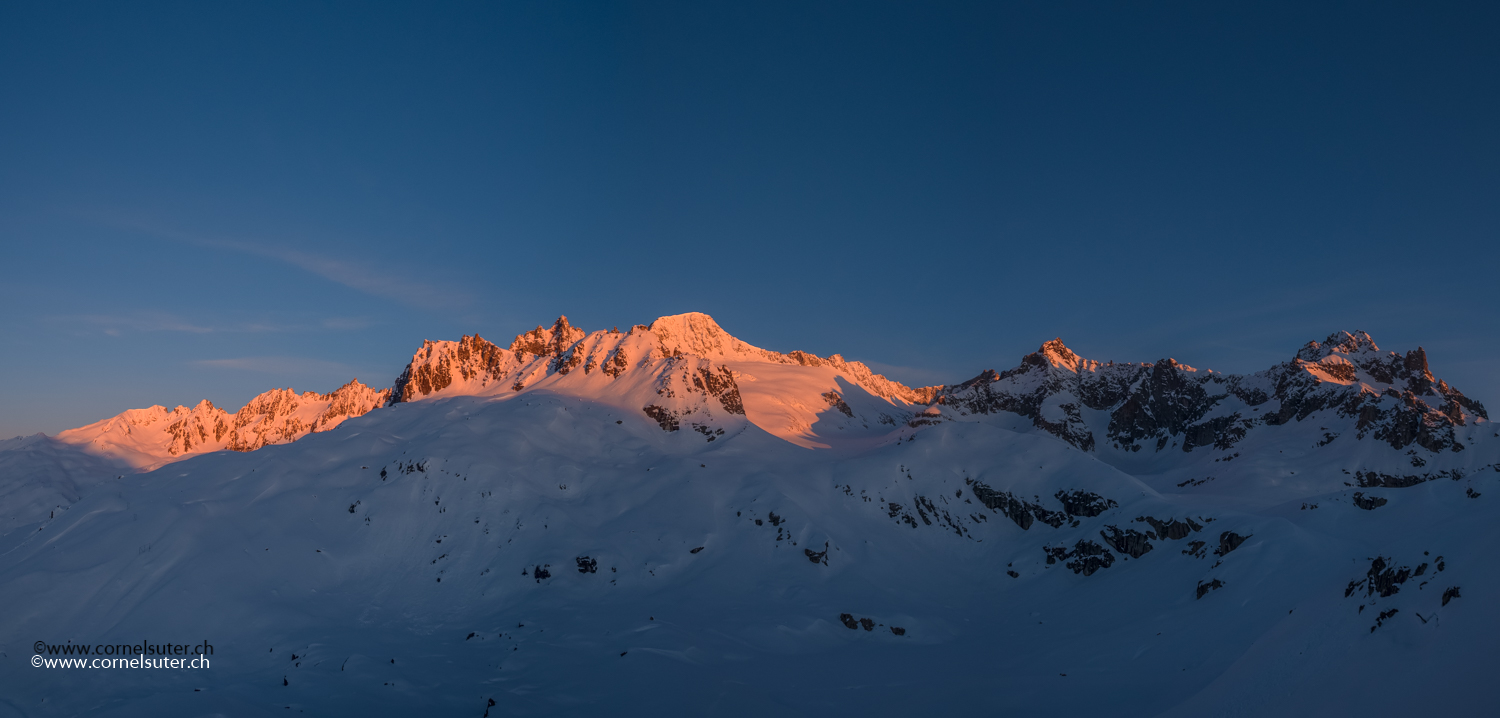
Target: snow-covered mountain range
{"type": "Point", "coordinates": [147, 438]}
{"type": "Point", "coordinates": [667, 519]}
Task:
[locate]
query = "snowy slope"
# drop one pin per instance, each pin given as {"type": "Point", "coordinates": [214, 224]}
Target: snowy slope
{"type": "Point", "coordinates": [390, 566]}
{"type": "Point", "coordinates": [40, 476]}
{"type": "Point", "coordinates": [147, 438]}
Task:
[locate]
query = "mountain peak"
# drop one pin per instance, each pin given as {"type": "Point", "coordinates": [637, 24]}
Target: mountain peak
{"type": "Point", "coordinates": [546, 342]}
{"type": "Point", "coordinates": [698, 334]}
{"type": "Point", "coordinates": [1059, 354]}
{"type": "Point", "coordinates": [1338, 343]}
{"type": "Point", "coordinates": [1052, 355]}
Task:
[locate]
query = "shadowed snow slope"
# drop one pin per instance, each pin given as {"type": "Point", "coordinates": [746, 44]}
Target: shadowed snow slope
{"type": "Point", "coordinates": [706, 528]}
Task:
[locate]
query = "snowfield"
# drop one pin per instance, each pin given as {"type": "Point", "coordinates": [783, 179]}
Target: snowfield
{"type": "Point", "coordinates": [667, 521]}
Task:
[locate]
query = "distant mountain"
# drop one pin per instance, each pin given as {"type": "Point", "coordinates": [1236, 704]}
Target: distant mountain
{"type": "Point", "coordinates": [665, 520]}
{"type": "Point", "coordinates": [147, 438]}
{"type": "Point", "coordinates": [683, 371]}
{"type": "Point", "coordinates": [1390, 397]}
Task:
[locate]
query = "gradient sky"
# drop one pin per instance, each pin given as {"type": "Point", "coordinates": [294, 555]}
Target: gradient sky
{"type": "Point", "coordinates": [207, 200]}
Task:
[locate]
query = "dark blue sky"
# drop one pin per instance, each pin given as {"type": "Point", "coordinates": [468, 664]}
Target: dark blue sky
{"type": "Point", "coordinates": [205, 201]}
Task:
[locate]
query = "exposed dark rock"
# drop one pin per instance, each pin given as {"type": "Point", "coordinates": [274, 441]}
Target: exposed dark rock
{"type": "Point", "coordinates": [1220, 432]}
{"type": "Point", "coordinates": [587, 565]}
{"type": "Point", "coordinates": [924, 504]}
{"type": "Point", "coordinates": [817, 556]}
{"type": "Point", "coordinates": [1051, 518]}
{"type": "Point", "coordinates": [1165, 401]}
{"type": "Point", "coordinates": [616, 364]}
{"type": "Point", "coordinates": [708, 431]}
{"type": "Point", "coordinates": [1229, 541]}
{"type": "Point", "coordinates": [720, 383]}
{"type": "Point", "coordinates": [837, 402]}
{"type": "Point", "coordinates": [1380, 620]}
{"type": "Point", "coordinates": [867, 624]}
{"type": "Point", "coordinates": [1196, 549]}
{"type": "Point", "coordinates": [1450, 594]}
{"type": "Point", "coordinates": [1171, 529]}
{"type": "Point", "coordinates": [696, 550]}
{"type": "Point", "coordinates": [1204, 588]}
{"type": "Point", "coordinates": [1085, 558]}
{"type": "Point", "coordinates": [921, 420]}
{"type": "Point", "coordinates": [1088, 557]}
{"type": "Point", "coordinates": [1129, 542]}
{"type": "Point", "coordinates": [1383, 579]}
{"type": "Point", "coordinates": [1022, 512]}
{"type": "Point", "coordinates": [663, 417]}
{"type": "Point", "coordinates": [1084, 503]}
{"type": "Point", "coordinates": [1374, 479]}
{"type": "Point", "coordinates": [774, 519]}
{"type": "Point", "coordinates": [1368, 503]}
{"type": "Point", "coordinates": [898, 630]}
{"type": "Point", "coordinates": [540, 572]}
{"type": "Point", "coordinates": [848, 621]}
{"type": "Point", "coordinates": [567, 361]}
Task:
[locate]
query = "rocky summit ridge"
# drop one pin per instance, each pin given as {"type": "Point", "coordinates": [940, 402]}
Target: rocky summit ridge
{"type": "Point", "coordinates": [146, 438]}
{"type": "Point", "coordinates": [474, 364]}
{"type": "Point", "coordinates": [686, 372]}
{"type": "Point", "coordinates": [1389, 397]}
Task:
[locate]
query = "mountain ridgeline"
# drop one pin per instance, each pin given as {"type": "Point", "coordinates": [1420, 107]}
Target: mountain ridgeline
{"type": "Point", "coordinates": [665, 520]}
{"type": "Point", "coordinates": [1390, 397]}
{"type": "Point", "coordinates": [680, 371]}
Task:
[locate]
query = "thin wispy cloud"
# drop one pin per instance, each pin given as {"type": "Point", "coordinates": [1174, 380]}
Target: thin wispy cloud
{"type": "Point", "coordinates": [286, 365]}
{"type": "Point", "coordinates": [348, 323]}
{"type": "Point", "coordinates": [355, 274]}
{"type": "Point", "coordinates": [116, 324]}
{"type": "Point", "coordinates": [149, 322]}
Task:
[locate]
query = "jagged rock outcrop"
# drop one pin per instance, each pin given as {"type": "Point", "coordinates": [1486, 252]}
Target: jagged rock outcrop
{"type": "Point", "coordinates": [1130, 542]}
{"type": "Point", "coordinates": [1389, 397]}
{"type": "Point", "coordinates": [678, 371]}
{"type": "Point", "coordinates": [473, 365]}
{"type": "Point", "coordinates": [154, 435]}
{"type": "Point", "coordinates": [1085, 557]}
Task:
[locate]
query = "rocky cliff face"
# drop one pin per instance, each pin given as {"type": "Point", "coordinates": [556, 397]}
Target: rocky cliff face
{"type": "Point", "coordinates": [475, 365]}
{"type": "Point", "coordinates": [1388, 397]}
{"type": "Point", "coordinates": [678, 371]}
